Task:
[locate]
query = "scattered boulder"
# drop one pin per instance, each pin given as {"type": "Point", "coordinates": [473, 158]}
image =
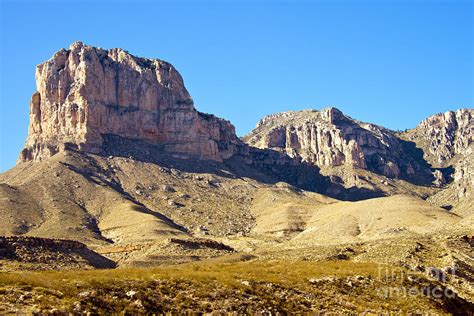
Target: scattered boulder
{"type": "Point", "coordinates": [168, 189]}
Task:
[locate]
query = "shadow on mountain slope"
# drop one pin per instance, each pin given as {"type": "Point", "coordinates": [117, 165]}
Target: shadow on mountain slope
{"type": "Point", "coordinates": [263, 165]}
{"type": "Point", "coordinates": [51, 253]}
{"type": "Point", "coordinates": [423, 173]}
{"type": "Point", "coordinates": [137, 205]}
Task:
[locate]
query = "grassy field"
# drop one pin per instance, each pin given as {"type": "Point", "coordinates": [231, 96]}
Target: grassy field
{"type": "Point", "coordinates": [243, 287]}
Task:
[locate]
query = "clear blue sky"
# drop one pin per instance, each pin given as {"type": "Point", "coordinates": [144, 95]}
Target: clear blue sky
{"type": "Point", "coordinates": [388, 62]}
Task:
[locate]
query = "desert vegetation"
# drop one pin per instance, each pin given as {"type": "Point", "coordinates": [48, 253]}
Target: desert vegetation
{"type": "Point", "coordinates": [219, 286]}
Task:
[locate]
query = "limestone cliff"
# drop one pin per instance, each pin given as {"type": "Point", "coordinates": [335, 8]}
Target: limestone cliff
{"type": "Point", "coordinates": [447, 140]}
{"type": "Point", "coordinates": [113, 103]}
{"type": "Point", "coordinates": [328, 138]}
{"type": "Point", "coordinates": [443, 136]}
{"type": "Point", "coordinates": [85, 93]}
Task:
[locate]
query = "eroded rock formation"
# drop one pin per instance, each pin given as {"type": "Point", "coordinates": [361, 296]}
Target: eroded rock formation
{"type": "Point", "coordinates": [328, 138]}
{"type": "Point", "coordinates": [113, 103]}
{"type": "Point", "coordinates": [444, 135]}
{"type": "Point", "coordinates": [85, 92]}
{"type": "Point", "coordinates": [447, 140]}
{"type": "Point", "coordinates": [464, 174]}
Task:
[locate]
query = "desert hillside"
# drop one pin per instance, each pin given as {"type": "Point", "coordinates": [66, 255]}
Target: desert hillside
{"type": "Point", "coordinates": [120, 169]}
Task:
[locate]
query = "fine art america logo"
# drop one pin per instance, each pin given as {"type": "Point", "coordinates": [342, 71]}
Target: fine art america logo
{"type": "Point", "coordinates": [410, 285]}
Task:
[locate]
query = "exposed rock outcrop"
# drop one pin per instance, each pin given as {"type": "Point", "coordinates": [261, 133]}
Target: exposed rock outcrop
{"type": "Point", "coordinates": [459, 194]}
{"type": "Point", "coordinates": [444, 135]}
{"type": "Point", "coordinates": [85, 92]}
{"type": "Point", "coordinates": [464, 174]}
{"type": "Point", "coordinates": [328, 138]}
{"type": "Point", "coordinates": [110, 102]}
{"type": "Point", "coordinates": [113, 103]}
{"type": "Point", "coordinates": [447, 141]}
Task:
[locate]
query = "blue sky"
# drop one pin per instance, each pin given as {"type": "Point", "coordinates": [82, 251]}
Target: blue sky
{"type": "Point", "coordinates": [392, 63]}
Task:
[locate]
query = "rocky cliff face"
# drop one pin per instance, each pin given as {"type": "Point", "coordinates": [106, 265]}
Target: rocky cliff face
{"type": "Point", "coordinates": [85, 93]}
{"type": "Point", "coordinates": [328, 138]}
{"type": "Point", "coordinates": [111, 102]}
{"type": "Point", "coordinates": [464, 174]}
{"type": "Point", "coordinates": [444, 136]}
{"type": "Point", "coordinates": [458, 195]}
{"type": "Point", "coordinates": [447, 140]}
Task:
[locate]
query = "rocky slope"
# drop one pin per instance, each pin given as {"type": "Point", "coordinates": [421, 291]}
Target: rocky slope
{"type": "Point", "coordinates": [328, 139]}
{"type": "Point", "coordinates": [101, 166]}
{"type": "Point", "coordinates": [444, 136]}
{"type": "Point", "coordinates": [26, 253]}
{"type": "Point", "coordinates": [458, 195]}
{"type": "Point", "coordinates": [350, 152]}
{"type": "Point", "coordinates": [447, 140]}
{"type": "Point", "coordinates": [112, 103]}
{"type": "Point", "coordinates": [86, 93]}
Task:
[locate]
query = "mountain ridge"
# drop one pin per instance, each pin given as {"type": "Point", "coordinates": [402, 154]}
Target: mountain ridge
{"type": "Point", "coordinates": [118, 157]}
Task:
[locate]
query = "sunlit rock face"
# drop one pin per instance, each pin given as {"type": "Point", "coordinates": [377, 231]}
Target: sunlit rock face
{"type": "Point", "coordinates": [464, 174]}
{"type": "Point", "coordinates": [85, 92]}
{"type": "Point", "coordinates": [447, 140]}
{"type": "Point", "coordinates": [328, 138]}
{"type": "Point", "coordinates": [444, 136]}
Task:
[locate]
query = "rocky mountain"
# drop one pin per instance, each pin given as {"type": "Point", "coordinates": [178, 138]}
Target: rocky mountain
{"type": "Point", "coordinates": [120, 169]}
{"type": "Point", "coordinates": [86, 93]}
{"type": "Point", "coordinates": [447, 141]}
{"type": "Point", "coordinates": [328, 139]}
{"type": "Point", "coordinates": [109, 102]}
{"type": "Point", "coordinates": [444, 137]}
{"type": "Point", "coordinates": [426, 155]}
{"type": "Point", "coordinates": [118, 158]}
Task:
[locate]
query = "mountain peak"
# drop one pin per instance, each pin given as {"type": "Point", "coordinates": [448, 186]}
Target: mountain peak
{"type": "Point", "coordinates": [76, 45]}
{"type": "Point", "coordinates": [86, 93]}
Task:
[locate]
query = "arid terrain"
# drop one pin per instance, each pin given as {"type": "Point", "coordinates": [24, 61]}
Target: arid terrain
{"type": "Point", "coordinates": [146, 205]}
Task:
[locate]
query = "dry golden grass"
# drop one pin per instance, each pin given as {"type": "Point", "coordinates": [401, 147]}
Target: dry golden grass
{"type": "Point", "coordinates": [281, 272]}
{"type": "Point", "coordinates": [243, 287]}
